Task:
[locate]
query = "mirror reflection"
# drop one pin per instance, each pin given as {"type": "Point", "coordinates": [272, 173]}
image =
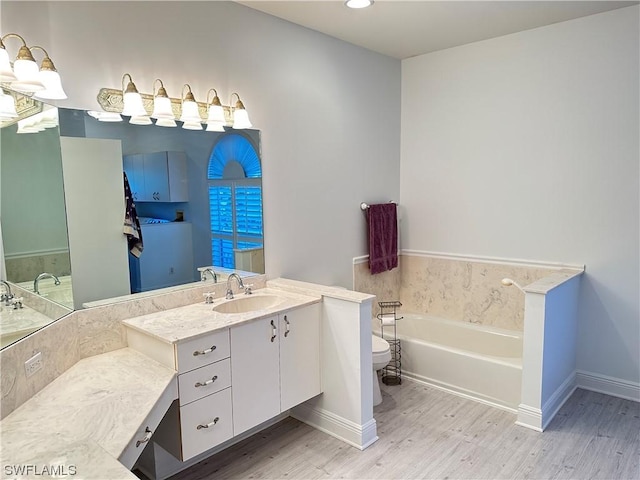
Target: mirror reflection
{"type": "Point", "coordinates": [197, 196]}
{"type": "Point", "coordinates": [35, 246]}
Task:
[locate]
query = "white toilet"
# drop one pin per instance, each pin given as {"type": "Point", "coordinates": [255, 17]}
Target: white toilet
{"type": "Point", "coordinates": [381, 357]}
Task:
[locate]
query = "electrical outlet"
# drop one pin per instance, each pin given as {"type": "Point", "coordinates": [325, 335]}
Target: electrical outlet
{"type": "Point", "coordinates": [34, 364]}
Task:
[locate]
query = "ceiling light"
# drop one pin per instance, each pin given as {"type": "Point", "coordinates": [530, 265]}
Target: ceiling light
{"type": "Point", "coordinates": [358, 3]}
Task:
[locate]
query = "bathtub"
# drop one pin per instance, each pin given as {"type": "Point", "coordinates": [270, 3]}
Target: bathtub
{"type": "Point", "coordinates": [478, 362]}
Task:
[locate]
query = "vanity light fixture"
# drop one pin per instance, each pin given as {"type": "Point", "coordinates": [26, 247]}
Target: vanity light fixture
{"type": "Point", "coordinates": [7, 107]}
{"type": "Point", "coordinates": [190, 114]}
{"type": "Point", "coordinates": [131, 99]}
{"type": "Point", "coordinates": [215, 114]}
{"type": "Point", "coordinates": [162, 106]}
{"type": "Point", "coordinates": [50, 77]}
{"type": "Point", "coordinates": [25, 68]}
{"type": "Point", "coordinates": [166, 110]}
{"type": "Point", "coordinates": [358, 3]}
{"type": "Point", "coordinates": [240, 115]}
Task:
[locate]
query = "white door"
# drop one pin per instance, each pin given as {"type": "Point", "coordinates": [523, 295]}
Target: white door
{"type": "Point", "coordinates": [254, 373]}
{"type": "Point", "coordinates": [299, 356]}
{"type": "Point", "coordinates": [94, 199]}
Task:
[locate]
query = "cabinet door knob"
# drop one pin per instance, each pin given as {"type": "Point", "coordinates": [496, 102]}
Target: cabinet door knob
{"type": "Point", "coordinates": [208, 425]}
{"type": "Point", "coordinates": [208, 382]}
{"type": "Point", "coordinates": [287, 323]}
{"type": "Point", "coordinates": [146, 438]}
{"type": "Point", "coordinates": [204, 352]}
{"type": "Point", "coordinates": [274, 331]}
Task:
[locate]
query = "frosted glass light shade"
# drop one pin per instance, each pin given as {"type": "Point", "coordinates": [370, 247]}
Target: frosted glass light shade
{"type": "Point", "coordinates": [105, 116]}
{"type": "Point", "coordinates": [216, 114]}
{"type": "Point", "coordinates": [53, 86]}
{"type": "Point", "coordinates": [7, 107]}
{"type": "Point", "coordinates": [166, 122]}
{"type": "Point", "coordinates": [241, 119]}
{"type": "Point", "coordinates": [27, 126]}
{"type": "Point", "coordinates": [6, 72]}
{"type": "Point", "coordinates": [190, 113]}
{"type": "Point", "coordinates": [215, 127]}
{"type": "Point", "coordinates": [162, 108]}
{"type": "Point", "coordinates": [192, 126]}
{"type": "Point", "coordinates": [28, 76]}
{"type": "Point", "coordinates": [140, 120]}
{"type": "Point", "coordinates": [133, 106]}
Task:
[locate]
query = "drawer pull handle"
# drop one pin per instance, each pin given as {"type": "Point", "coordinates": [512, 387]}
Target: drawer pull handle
{"type": "Point", "coordinates": [287, 323]}
{"type": "Point", "coordinates": [215, 420]}
{"type": "Point", "coordinates": [146, 438]}
{"type": "Point", "coordinates": [204, 352]}
{"type": "Point", "coordinates": [274, 332]}
{"type": "Point", "coordinates": [208, 382]}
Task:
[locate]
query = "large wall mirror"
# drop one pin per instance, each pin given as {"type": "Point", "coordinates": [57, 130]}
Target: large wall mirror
{"type": "Point", "coordinates": [198, 197]}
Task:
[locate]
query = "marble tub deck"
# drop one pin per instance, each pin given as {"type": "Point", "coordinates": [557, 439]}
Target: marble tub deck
{"type": "Point", "coordinates": [86, 418]}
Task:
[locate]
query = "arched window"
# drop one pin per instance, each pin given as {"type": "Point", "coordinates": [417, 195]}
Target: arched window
{"type": "Point", "coordinates": [235, 198]}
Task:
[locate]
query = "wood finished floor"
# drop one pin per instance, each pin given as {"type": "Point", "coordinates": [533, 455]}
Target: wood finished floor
{"type": "Point", "coordinates": [429, 434]}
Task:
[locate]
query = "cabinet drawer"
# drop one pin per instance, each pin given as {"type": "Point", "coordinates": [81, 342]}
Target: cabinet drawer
{"type": "Point", "coordinates": [204, 381]}
{"type": "Point", "coordinates": [205, 423]}
{"type": "Point", "coordinates": [202, 351]}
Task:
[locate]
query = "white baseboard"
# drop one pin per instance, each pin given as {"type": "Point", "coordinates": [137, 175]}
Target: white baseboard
{"type": "Point", "coordinates": [359, 436]}
{"type": "Point", "coordinates": [529, 417]}
{"type": "Point", "coordinates": [615, 387]}
{"type": "Point", "coordinates": [557, 399]}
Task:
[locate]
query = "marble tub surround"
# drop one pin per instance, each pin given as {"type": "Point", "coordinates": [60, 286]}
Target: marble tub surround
{"type": "Point", "coordinates": [82, 334]}
{"type": "Point", "coordinates": [24, 268]}
{"type": "Point", "coordinates": [90, 416]}
{"type": "Point", "coordinates": [183, 323]}
{"type": "Point", "coordinates": [385, 286]}
{"type": "Point", "coordinates": [466, 290]}
{"type": "Point", "coordinates": [459, 288]}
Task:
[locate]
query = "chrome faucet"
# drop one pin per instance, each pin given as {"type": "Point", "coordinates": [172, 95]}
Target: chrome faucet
{"type": "Point", "coordinates": [240, 284]}
{"type": "Point", "coordinates": [203, 275]}
{"type": "Point", "coordinates": [7, 296]}
{"type": "Point", "coordinates": [42, 276]}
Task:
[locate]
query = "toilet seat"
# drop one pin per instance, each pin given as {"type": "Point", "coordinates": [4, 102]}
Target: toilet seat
{"type": "Point", "coordinates": [381, 352]}
{"type": "Point", "coordinates": [380, 345]}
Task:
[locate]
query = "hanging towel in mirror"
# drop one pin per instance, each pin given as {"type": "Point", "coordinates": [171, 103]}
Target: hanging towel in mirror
{"type": "Point", "coordinates": [131, 222]}
{"type": "Point", "coordinates": [383, 237]}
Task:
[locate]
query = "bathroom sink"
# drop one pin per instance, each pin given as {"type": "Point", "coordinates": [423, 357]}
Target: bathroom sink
{"type": "Point", "coordinates": [248, 303]}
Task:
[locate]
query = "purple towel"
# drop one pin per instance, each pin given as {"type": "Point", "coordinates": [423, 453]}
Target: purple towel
{"type": "Point", "coordinates": [383, 237]}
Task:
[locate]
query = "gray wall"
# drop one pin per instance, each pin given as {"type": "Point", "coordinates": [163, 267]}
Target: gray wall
{"type": "Point", "coordinates": [526, 146]}
{"type": "Point", "coordinates": [328, 112]}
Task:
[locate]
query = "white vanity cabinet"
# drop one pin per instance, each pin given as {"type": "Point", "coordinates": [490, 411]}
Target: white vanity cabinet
{"type": "Point", "coordinates": [202, 416]}
{"type": "Point", "coordinates": [157, 177]}
{"type": "Point", "coordinates": [275, 365]}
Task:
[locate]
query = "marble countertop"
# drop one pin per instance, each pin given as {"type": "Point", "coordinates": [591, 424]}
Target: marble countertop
{"type": "Point", "coordinates": [183, 323]}
{"type": "Point", "coordinates": [548, 283]}
{"type": "Point", "coordinates": [86, 417]}
{"type": "Point", "coordinates": [21, 321]}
